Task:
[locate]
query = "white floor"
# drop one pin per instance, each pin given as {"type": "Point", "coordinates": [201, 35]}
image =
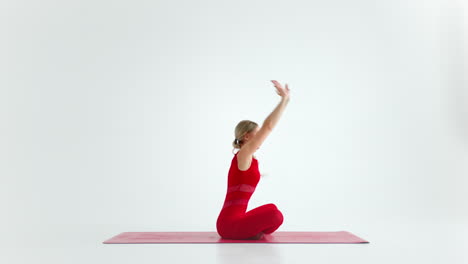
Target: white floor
{"type": "Point", "coordinates": [404, 242]}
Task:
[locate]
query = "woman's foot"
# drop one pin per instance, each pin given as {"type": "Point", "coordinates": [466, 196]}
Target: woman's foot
{"type": "Point", "coordinates": [256, 237]}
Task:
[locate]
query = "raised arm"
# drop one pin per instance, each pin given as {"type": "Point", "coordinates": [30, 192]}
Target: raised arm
{"type": "Point", "coordinates": [274, 117]}
{"type": "Point", "coordinates": [270, 122]}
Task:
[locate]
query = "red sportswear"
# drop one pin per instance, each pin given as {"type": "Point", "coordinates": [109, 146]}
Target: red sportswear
{"type": "Point", "coordinates": [233, 221]}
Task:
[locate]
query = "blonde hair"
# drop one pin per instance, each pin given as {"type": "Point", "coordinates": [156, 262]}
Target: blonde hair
{"type": "Point", "coordinates": [242, 128]}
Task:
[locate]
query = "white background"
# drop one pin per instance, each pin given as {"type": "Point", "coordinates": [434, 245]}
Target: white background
{"type": "Point", "coordinates": [119, 116]}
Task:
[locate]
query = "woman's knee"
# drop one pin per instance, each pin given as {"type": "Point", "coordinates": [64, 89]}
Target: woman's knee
{"type": "Point", "coordinates": [278, 216]}
{"type": "Point", "coordinates": [271, 206]}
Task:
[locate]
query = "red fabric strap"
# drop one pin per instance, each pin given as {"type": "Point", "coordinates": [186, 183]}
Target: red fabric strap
{"type": "Point", "coordinates": [235, 202]}
{"type": "Point", "coordinates": [241, 188]}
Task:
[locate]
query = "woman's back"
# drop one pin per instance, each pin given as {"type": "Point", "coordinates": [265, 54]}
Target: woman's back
{"type": "Point", "coordinates": [240, 185]}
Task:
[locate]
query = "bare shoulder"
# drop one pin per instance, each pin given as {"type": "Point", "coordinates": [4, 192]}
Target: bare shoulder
{"type": "Point", "coordinates": [244, 160]}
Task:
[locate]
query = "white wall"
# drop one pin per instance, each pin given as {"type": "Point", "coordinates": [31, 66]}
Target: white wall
{"type": "Point", "coordinates": [119, 115]}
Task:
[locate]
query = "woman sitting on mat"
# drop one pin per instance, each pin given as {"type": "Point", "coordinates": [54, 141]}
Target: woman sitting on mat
{"type": "Point", "coordinates": [233, 221]}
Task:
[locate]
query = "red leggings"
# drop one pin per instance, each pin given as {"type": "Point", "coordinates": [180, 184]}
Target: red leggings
{"type": "Point", "coordinates": [235, 223]}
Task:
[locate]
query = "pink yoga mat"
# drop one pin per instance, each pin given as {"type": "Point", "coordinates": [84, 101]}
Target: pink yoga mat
{"type": "Point", "coordinates": [213, 237]}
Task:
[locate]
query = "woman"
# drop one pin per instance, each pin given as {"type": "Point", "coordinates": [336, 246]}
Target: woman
{"type": "Point", "coordinates": [233, 221]}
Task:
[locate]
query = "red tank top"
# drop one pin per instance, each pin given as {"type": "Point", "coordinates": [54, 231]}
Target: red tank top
{"type": "Point", "coordinates": [241, 185]}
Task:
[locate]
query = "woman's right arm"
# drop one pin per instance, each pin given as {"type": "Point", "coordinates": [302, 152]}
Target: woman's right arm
{"type": "Point", "coordinates": [270, 122]}
{"type": "Point", "coordinates": [274, 117]}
